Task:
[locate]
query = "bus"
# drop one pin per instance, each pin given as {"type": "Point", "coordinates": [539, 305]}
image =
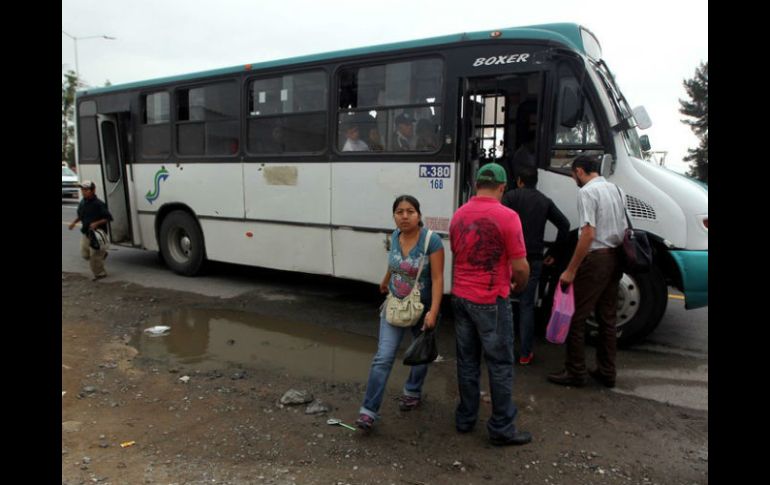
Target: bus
{"type": "Point", "coordinates": [293, 164]}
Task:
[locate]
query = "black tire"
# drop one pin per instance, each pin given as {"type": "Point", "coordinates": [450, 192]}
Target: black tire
{"type": "Point", "coordinates": [641, 304]}
{"type": "Point", "coordinates": [181, 243]}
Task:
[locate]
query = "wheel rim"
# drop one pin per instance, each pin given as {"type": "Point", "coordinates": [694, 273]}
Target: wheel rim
{"type": "Point", "coordinates": [629, 298]}
{"type": "Point", "coordinates": [180, 245]}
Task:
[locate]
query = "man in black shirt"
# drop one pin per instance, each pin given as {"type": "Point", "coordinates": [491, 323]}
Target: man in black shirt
{"type": "Point", "coordinates": [94, 215]}
{"type": "Point", "coordinates": [534, 209]}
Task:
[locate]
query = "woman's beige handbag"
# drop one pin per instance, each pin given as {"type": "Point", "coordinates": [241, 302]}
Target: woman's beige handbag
{"type": "Point", "coordinates": [406, 311]}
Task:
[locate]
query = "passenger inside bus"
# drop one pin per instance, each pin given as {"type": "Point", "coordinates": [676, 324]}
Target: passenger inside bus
{"type": "Point", "coordinates": [233, 146]}
{"type": "Point", "coordinates": [373, 140]}
{"type": "Point", "coordinates": [353, 141]}
{"type": "Point", "coordinates": [403, 137]}
{"type": "Point", "coordinates": [526, 129]}
{"type": "Point", "coordinates": [276, 142]}
{"type": "Point", "coordinates": [368, 126]}
{"type": "Point", "coordinates": [525, 154]}
{"type": "Point", "coordinates": [426, 135]}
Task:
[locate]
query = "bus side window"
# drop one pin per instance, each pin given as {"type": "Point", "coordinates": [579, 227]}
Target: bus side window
{"type": "Point", "coordinates": [395, 106]}
{"type": "Point", "coordinates": [575, 129]}
{"type": "Point", "coordinates": [207, 119]}
{"type": "Point", "coordinates": [287, 114]}
{"type": "Point", "coordinates": [155, 137]}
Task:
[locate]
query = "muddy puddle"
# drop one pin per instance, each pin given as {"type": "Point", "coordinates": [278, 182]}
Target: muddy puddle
{"type": "Point", "coordinates": [206, 339]}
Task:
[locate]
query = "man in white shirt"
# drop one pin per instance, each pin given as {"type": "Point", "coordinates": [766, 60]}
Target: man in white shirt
{"type": "Point", "coordinates": [595, 271]}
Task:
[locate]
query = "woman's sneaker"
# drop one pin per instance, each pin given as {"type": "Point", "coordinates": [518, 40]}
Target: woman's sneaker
{"type": "Point", "coordinates": [365, 422]}
{"type": "Point", "coordinates": [407, 403]}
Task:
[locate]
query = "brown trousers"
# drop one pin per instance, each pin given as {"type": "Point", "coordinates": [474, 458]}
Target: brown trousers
{"type": "Point", "coordinates": [596, 288]}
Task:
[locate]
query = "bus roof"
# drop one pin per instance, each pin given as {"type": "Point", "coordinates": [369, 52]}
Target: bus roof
{"type": "Point", "coordinates": [568, 34]}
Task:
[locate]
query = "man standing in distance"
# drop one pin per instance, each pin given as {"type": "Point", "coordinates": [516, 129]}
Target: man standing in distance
{"type": "Point", "coordinates": [94, 215]}
{"type": "Point", "coordinates": [488, 247]}
{"type": "Point", "coordinates": [595, 271]}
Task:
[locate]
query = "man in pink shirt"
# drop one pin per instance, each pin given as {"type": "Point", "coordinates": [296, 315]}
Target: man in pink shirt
{"type": "Point", "coordinates": [489, 251]}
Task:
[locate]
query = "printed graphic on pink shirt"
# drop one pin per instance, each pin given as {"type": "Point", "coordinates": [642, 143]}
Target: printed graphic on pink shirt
{"type": "Point", "coordinates": [484, 245]}
{"type": "Point", "coordinates": [485, 236]}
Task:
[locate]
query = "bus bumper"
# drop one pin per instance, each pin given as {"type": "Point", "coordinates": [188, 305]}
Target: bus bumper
{"type": "Point", "coordinates": [694, 268]}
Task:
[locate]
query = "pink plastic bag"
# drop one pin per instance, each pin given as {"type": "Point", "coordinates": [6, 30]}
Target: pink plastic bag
{"type": "Point", "coordinates": [561, 315]}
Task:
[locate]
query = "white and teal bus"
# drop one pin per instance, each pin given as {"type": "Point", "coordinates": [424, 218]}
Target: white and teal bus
{"type": "Point", "coordinates": [250, 164]}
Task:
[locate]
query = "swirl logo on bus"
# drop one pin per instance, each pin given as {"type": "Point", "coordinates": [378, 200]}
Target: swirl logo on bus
{"type": "Point", "coordinates": [152, 195]}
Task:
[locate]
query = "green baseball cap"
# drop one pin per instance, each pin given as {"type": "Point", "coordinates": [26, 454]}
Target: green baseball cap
{"type": "Point", "coordinates": [497, 174]}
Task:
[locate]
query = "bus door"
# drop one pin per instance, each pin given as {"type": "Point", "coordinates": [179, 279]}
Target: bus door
{"type": "Point", "coordinates": [113, 170]}
{"type": "Point", "coordinates": [499, 124]}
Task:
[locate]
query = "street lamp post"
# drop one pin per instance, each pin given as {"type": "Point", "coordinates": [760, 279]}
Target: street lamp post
{"type": "Point", "coordinates": [76, 39]}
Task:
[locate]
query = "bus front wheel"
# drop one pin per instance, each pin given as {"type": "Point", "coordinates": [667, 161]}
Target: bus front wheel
{"type": "Point", "coordinates": [181, 243]}
{"type": "Point", "coordinates": [642, 300]}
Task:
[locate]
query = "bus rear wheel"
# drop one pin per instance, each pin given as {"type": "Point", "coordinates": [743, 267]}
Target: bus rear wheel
{"type": "Point", "coordinates": [642, 300]}
{"type": "Point", "coordinates": [181, 243]}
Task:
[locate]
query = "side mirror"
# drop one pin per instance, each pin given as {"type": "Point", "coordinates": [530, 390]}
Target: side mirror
{"type": "Point", "coordinates": [608, 165]}
{"type": "Point", "coordinates": [644, 140]}
{"type": "Point", "coordinates": [643, 120]}
{"type": "Point", "coordinates": [571, 107]}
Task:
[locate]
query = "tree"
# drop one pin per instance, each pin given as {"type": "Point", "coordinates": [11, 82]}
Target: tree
{"type": "Point", "coordinates": [697, 108]}
{"type": "Point", "coordinates": [68, 87]}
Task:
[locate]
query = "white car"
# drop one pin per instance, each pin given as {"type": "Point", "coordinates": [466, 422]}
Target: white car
{"type": "Point", "coordinates": [69, 183]}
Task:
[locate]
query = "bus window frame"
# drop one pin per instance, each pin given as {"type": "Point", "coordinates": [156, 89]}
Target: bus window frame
{"type": "Point", "coordinates": [589, 91]}
{"type": "Point", "coordinates": [176, 122]}
{"type": "Point", "coordinates": [170, 123]}
{"type": "Point", "coordinates": [246, 116]}
{"type": "Point", "coordinates": [80, 132]}
{"type": "Point", "coordinates": [441, 103]}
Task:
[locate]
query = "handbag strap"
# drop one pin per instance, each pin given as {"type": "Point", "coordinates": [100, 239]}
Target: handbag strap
{"type": "Point", "coordinates": [625, 211]}
{"type": "Point", "coordinates": [422, 258]}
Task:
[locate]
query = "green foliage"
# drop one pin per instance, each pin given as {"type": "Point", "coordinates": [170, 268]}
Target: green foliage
{"type": "Point", "coordinates": [69, 86]}
{"type": "Point", "coordinates": [697, 109]}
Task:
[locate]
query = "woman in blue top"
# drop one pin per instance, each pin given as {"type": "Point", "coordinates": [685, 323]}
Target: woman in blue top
{"type": "Point", "coordinates": [406, 249]}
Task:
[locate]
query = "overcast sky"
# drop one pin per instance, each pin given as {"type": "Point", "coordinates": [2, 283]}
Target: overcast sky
{"type": "Point", "coordinates": [650, 46]}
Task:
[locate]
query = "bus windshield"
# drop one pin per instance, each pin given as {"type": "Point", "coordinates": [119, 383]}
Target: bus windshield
{"type": "Point", "coordinates": [620, 104]}
{"type": "Point", "coordinates": [626, 122]}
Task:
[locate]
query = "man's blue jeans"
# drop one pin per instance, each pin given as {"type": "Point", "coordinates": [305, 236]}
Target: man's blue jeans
{"type": "Point", "coordinates": [487, 328]}
{"type": "Point", "coordinates": [390, 339]}
{"type": "Point", "coordinates": [527, 308]}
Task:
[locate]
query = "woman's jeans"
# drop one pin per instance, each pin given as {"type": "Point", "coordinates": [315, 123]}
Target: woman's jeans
{"type": "Point", "coordinates": [488, 329]}
{"type": "Point", "coordinates": [389, 341]}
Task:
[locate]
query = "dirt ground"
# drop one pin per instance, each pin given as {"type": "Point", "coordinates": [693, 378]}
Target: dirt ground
{"type": "Point", "coordinates": [129, 419]}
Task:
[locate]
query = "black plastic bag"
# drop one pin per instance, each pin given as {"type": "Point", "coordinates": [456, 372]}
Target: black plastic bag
{"type": "Point", "coordinates": [423, 349]}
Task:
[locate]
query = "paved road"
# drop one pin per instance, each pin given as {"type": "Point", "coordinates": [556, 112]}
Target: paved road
{"type": "Point", "coordinates": [669, 366]}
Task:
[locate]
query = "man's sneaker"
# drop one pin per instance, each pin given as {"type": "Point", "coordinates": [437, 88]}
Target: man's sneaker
{"type": "Point", "coordinates": [407, 403]}
{"type": "Point", "coordinates": [99, 276]}
{"type": "Point", "coordinates": [365, 422]}
{"type": "Point", "coordinates": [526, 359]}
